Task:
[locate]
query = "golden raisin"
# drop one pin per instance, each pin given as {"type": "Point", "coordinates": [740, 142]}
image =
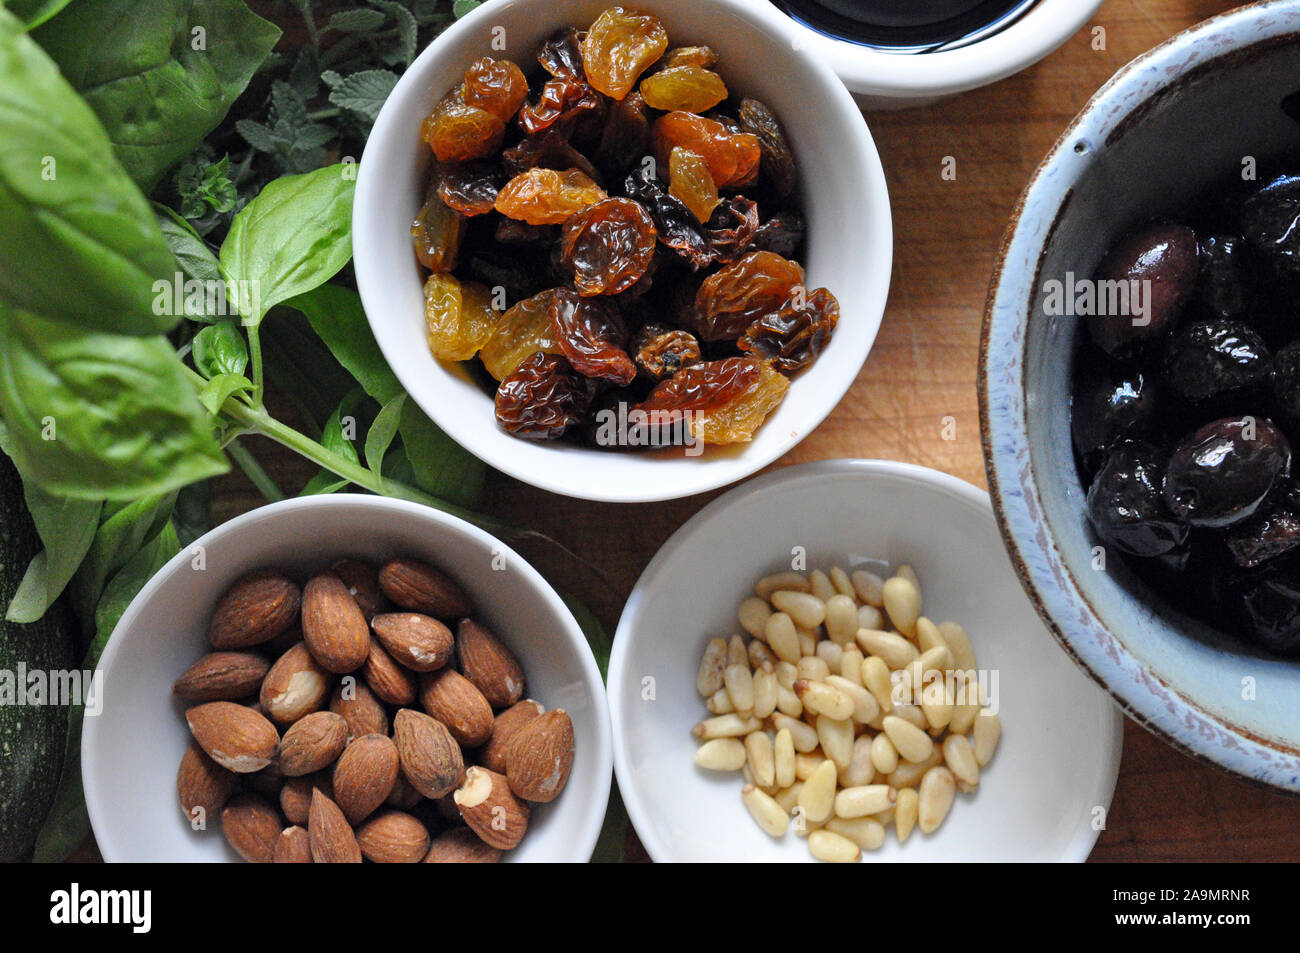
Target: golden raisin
{"type": "Point", "coordinates": [523, 331]}
{"type": "Point", "coordinates": [733, 157]}
{"type": "Point", "coordinates": [547, 197]}
{"type": "Point", "coordinates": [619, 47]}
{"type": "Point", "coordinates": [728, 400]}
{"type": "Point", "coordinates": [690, 181]}
{"type": "Point", "coordinates": [459, 317]}
{"type": "Point", "coordinates": [731, 299]}
{"type": "Point", "coordinates": [437, 229]}
{"type": "Point", "coordinates": [458, 132]}
{"type": "Point", "coordinates": [608, 246]}
{"type": "Point", "coordinates": [688, 88]}
{"type": "Point", "coordinates": [495, 86]}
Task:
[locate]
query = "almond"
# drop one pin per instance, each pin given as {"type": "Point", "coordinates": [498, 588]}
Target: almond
{"type": "Point", "coordinates": [419, 642]}
{"type": "Point", "coordinates": [393, 837]}
{"type": "Point", "coordinates": [490, 809]}
{"type": "Point", "coordinates": [295, 686]}
{"type": "Point", "coordinates": [295, 795]}
{"type": "Point", "coordinates": [252, 828]}
{"type": "Point", "coordinates": [421, 588]}
{"type": "Point", "coordinates": [461, 846]}
{"type": "Point", "coordinates": [540, 757]}
{"type": "Point", "coordinates": [451, 698]}
{"type": "Point", "coordinates": [404, 796]}
{"type": "Point", "coordinates": [362, 580]}
{"type": "Point", "coordinates": [429, 755]}
{"type": "Point", "coordinates": [359, 708]}
{"type": "Point", "coordinates": [332, 840]}
{"type": "Point", "coordinates": [388, 680]}
{"type": "Point", "coordinates": [504, 727]}
{"type": "Point", "coordinates": [365, 776]}
{"type": "Point", "coordinates": [222, 676]}
{"type": "Point", "coordinates": [293, 846]}
{"type": "Point", "coordinates": [311, 743]}
{"type": "Point", "coordinates": [266, 782]}
{"type": "Point", "coordinates": [254, 610]}
{"type": "Point", "coordinates": [203, 786]}
{"type": "Point", "coordinates": [486, 662]}
{"type": "Point", "coordinates": [333, 625]}
{"type": "Point", "coordinates": [235, 737]}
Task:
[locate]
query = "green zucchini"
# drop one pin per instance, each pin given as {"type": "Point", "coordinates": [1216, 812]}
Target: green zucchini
{"type": "Point", "coordinates": [32, 737]}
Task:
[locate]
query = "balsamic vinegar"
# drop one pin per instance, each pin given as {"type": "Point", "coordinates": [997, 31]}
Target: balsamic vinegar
{"type": "Point", "coordinates": [901, 24]}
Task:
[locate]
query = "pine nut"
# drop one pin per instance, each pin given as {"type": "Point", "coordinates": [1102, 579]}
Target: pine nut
{"type": "Point", "coordinates": [902, 603]}
{"type": "Point", "coordinates": [788, 798]}
{"type": "Point", "coordinates": [912, 714]}
{"type": "Point", "coordinates": [737, 654]}
{"type": "Point", "coordinates": [783, 762]}
{"type": "Point", "coordinates": [905, 810]}
{"type": "Point", "coordinates": [869, 617]}
{"type": "Point", "coordinates": [865, 800]}
{"type": "Point", "coordinates": [830, 653]}
{"type": "Point", "coordinates": [781, 580]}
{"type": "Point", "coordinates": [935, 797]}
{"type": "Point", "coordinates": [823, 699]}
{"type": "Point", "coordinates": [833, 848]}
{"type": "Point", "coordinates": [787, 673]}
{"type": "Point", "coordinates": [869, 587]}
{"type": "Point", "coordinates": [958, 642]}
{"type": "Point", "coordinates": [884, 818]}
{"type": "Point", "coordinates": [836, 737]}
{"type": "Point", "coordinates": [891, 648]}
{"type": "Point", "coordinates": [987, 731]}
{"type": "Point", "coordinates": [819, 584]}
{"type": "Point", "coordinates": [726, 726]}
{"type": "Point", "coordinates": [806, 764]}
{"type": "Point", "coordinates": [864, 705]}
{"type": "Point", "coordinates": [803, 735]}
{"type": "Point", "coordinates": [875, 677]}
{"type": "Point", "coordinates": [912, 743]}
{"type": "Point", "coordinates": [765, 689]}
{"type": "Point", "coordinates": [761, 657]}
{"type": "Point", "coordinates": [753, 615]}
{"type": "Point", "coordinates": [841, 619]}
{"type": "Point", "coordinates": [884, 756]}
{"type": "Point", "coordinates": [808, 639]}
{"type": "Point", "coordinates": [842, 583]}
{"type": "Point", "coordinates": [721, 754]}
{"type": "Point", "coordinates": [960, 758]}
{"type": "Point", "coordinates": [937, 659]}
{"type": "Point", "coordinates": [711, 665]}
{"type": "Point", "coordinates": [928, 635]}
{"type": "Point", "coordinates": [868, 833]}
{"type": "Point", "coordinates": [851, 664]}
{"type": "Point", "coordinates": [907, 572]}
{"type": "Point", "coordinates": [908, 775]}
{"type": "Point", "coordinates": [860, 770]}
{"type": "Point", "coordinates": [766, 812]}
{"type": "Point", "coordinates": [720, 703]}
{"type": "Point", "coordinates": [787, 702]}
{"type": "Point", "coordinates": [937, 704]}
{"type": "Point", "coordinates": [817, 798]}
{"type": "Point", "coordinates": [762, 764]}
{"type": "Point", "coordinates": [782, 637]}
{"type": "Point", "coordinates": [740, 686]}
{"type": "Point", "coordinates": [813, 669]}
{"type": "Point", "coordinates": [805, 608]}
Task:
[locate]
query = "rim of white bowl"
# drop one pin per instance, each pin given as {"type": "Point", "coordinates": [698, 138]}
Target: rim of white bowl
{"type": "Point", "coordinates": [1003, 407]}
{"type": "Point", "coordinates": [1037, 33]}
{"type": "Point", "coordinates": [637, 811]}
{"type": "Point", "coordinates": [584, 843]}
{"type": "Point", "coordinates": [878, 250]}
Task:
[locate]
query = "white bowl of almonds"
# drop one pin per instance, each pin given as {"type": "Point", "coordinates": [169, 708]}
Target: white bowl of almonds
{"type": "Point", "coordinates": [345, 678]}
{"type": "Point", "coordinates": [835, 662]}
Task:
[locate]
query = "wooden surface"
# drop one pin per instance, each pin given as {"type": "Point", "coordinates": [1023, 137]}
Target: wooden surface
{"type": "Point", "coordinates": [922, 370]}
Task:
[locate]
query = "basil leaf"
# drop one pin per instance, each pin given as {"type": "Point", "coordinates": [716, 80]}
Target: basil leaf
{"type": "Point", "coordinates": [67, 528]}
{"type": "Point", "coordinates": [220, 349]}
{"type": "Point", "coordinates": [216, 391]}
{"type": "Point", "coordinates": [462, 7]}
{"type": "Point", "coordinates": [160, 74]}
{"type": "Point", "coordinates": [381, 433]}
{"type": "Point", "coordinates": [339, 320]}
{"type": "Point", "coordinates": [294, 236]}
{"type": "Point", "coordinates": [335, 439]}
{"type": "Point", "coordinates": [192, 254]}
{"type": "Point", "coordinates": [100, 416]}
{"type": "Point", "coordinates": [35, 12]}
{"type": "Point", "coordinates": [121, 534]}
{"type": "Point", "coordinates": [442, 467]}
{"type": "Point", "coordinates": [78, 240]}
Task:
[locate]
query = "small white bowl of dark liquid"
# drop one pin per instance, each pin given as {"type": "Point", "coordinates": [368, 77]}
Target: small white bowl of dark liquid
{"type": "Point", "coordinates": [911, 52]}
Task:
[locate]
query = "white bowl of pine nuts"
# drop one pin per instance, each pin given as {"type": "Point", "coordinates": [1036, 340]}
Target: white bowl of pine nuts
{"type": "Point", "coordinates": [851, 671]}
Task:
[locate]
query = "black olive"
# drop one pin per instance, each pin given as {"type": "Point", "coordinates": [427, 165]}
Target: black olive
{"type": "Point", "coordinates": [1125, 503]}
{"type": "Point", "coordinates": [1286, 379]}
{"type": "Point", "coordinates": [1265, 537]}
{"type": "Point", "coordinates": [1160, 262]}
{"type": "Point", "coordinates": [1269, 605]}
{"type": "Point", "coordinates": [1221, 288]}
{"type": "Point", "coordinates": [1110, 402]}
{"type": "Point", "coordinates": [1270, 220]}
{"type": "Point", "coordinates": [1225, 472]}
{"type": "Point", "coordinates": [1210, 358]}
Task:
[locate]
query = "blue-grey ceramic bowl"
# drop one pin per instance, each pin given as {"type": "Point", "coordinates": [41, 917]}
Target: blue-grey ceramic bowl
{"type": "Point", "coordinates": [1164, 128]}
